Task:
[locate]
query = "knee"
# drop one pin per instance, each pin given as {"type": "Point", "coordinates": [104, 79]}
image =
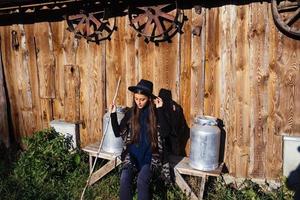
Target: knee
{"type": "Point", "coordinates": [126, 177]}
{"type": "Point", "coordinates": [143, 181]}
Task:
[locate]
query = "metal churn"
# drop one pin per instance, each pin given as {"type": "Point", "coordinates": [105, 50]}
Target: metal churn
{"type": "Point", "coordinates": [205, 143]}
{"type": "Point", "coordinates": [111, 143]}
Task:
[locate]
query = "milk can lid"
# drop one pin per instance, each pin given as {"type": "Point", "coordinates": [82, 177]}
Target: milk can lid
{"type": "Point", "coordinates": [119, 109]}
{"type": "Point", "coordinates": [206, 120]}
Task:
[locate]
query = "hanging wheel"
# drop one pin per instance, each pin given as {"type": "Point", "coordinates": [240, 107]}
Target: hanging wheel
{"type": "Point", "coordinates": [286, 15]}
{"type": "Point", "coordinates": [158, 22]}
{"type": "Point", "coordinates": [93, 26]}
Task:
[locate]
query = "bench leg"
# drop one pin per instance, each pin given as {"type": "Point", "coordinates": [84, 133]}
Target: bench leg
{"type": "Point", "coordinates": [202, 187]}
{"type": "Point", "coordinates": [91, 163]}
{"type": "Point", "coordinates": [110, 165]}
{"type": "Point", "coordinates": [184, 186]}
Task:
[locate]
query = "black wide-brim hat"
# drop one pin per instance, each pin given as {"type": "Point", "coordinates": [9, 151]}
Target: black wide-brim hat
{"type": "Point", "coordinates": [144, 87]}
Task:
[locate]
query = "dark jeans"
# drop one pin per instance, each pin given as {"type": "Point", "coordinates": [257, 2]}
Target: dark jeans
{"type": "Point", "coordinates": [143, 182]}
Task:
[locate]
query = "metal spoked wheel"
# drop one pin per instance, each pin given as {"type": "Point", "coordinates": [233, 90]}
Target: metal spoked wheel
{"type": "Point", "coordinates": [156, 22]}
{"type": "Point", "coordinates": [94, 26]}
{"type": "Point", "coordinates": [286, 15]}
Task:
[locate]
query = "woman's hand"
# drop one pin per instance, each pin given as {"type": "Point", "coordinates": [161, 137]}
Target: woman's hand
{"type": "Point", "coordinates": [112, 108]}
{"type": "Point", "coordinates": [158, 102]}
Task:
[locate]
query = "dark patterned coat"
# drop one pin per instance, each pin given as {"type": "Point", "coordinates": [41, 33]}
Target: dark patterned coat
{"type": "Point", "coordinates": [159, 159]}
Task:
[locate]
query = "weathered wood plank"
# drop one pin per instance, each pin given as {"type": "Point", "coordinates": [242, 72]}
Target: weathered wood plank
{"type": "Point", "coordinates": [64, 52]}
{"type": "Point", "coordinates": [33, 75]}
{"type": "Point", "coordinates": [6, 51]}
{"type": "Point", "coordinates": [45, 59]}
{"type": "Point", "coordinates": [260, 74]}
{"type": "Point", "coordinates": [226, 76]}
{"type": "Point", "coordinates": [288, 60]}
{"type": "Point", "coordinates": [184, 168]}
{"type": "Point", "coordinates": [212, 64]}
{"type": "Point", "coordinates": [146, 59]}
{"type": "Point", "coordinates": [92, 90]}
{"type": "Point", "coordinates": [274, 144]}
{"type": "Point", "coordinates": [166, 69]}
{"type": "Point", "coordinates": [4, 129]}
{"type": "Point", "coordinates": [187, 59]}
{"type": "Point", "coordinates": [197, 78]}
{"type": "Point", "coordinates": [72, 93]}
{"type": "Point", "coordinates": [185, 65]}
{"type": "Point", "coordinates": [46, 112]}
{"type": "Point", "coordinates": [97, 87]}
{"type": "Point", "coordinates": [13, 69]}
{"type": "Point", "coordinates": [83, 60]}
{"type": "Point", "coordinates": [242, 84]}
{"type": "Point", "coordinates": [45, 62]}
{"type": "Point", "coordinates": [116, 65]}
{"type": "Point", "coordinates": [24, 77]}
{"type": "Point", "coordinates": [131, 60]}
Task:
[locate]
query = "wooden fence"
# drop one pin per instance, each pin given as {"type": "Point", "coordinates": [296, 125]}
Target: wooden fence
{"type": "Point", "coordinates": [240, 69]}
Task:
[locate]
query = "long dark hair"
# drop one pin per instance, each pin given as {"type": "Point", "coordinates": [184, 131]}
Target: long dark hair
{"type": "Point", "coordinates": [152, 126]}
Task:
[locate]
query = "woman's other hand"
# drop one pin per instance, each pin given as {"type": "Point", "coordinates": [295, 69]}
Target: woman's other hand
{"type": "Point", "coordinates": [158, 102]}
{"type": "Point", "coordinates": [112, 108]}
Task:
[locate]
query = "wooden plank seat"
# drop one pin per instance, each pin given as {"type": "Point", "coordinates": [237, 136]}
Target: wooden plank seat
{"type": "Point", "coordinates": [179, 164]}
{"type": "Point", "coordinates": [113, 161]}
{"type": "Point", "coordinates": [182, 167]}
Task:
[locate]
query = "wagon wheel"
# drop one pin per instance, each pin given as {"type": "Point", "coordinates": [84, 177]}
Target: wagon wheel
{"type": "Point", "coordinates": [158, 22]}
{"type": "Point", "coordinates": [92, 26]}
{"type": "Point", "coordinates": [287, 16]}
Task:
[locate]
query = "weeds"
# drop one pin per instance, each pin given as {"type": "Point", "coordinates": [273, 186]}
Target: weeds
{"type": "Point", "coordinates": [248, 190]}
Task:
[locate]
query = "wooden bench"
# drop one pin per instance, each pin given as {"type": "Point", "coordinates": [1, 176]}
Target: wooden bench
{"type": "Point", "coordinates": [180, 165]}
{"type": "Point", "coordinates": [113, 161]}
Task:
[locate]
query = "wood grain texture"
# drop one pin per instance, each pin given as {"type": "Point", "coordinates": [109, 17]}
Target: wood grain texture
{"type": "Point", "coordinates": [33, 75]}
{"type": "Point", "coordinates": [16, 73]}
{"type": "Point", "coordinates": [116, 65]}
{"type": "Point", "coordinates": [212, 57]}
{"type": "Point", "coordinates": [92, 99]}
{"type": "Point", "coordinates": [45, 59]}
{"type": "Point", "coordinates": [260, 73]}
{"type": "Point", "coordinates": [71, 93]}
{"type": "Point", "coordinates": [4, 128]}
{"type": "Point", "coordinates": [197, 68]}
{"type": "Point", "coordinates": [242, 90]}
{"type": "Point", "coordinates": [131, 61]}
{"type": "Point", "coordinates": [166, 70]}
{"type": "Point", "coordinates": [227, 85]}
{"type": "Point", "coordinates": [273, 138]}
{"type": "Point", "coordinates": [185, 48]}
{"type": "Point", "coordinates": [146, 59]}
{"type": "Point", "coordinates": [64, 52]}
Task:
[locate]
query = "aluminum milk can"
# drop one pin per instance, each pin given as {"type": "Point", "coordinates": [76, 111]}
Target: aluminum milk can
{"type": "Point", "coordinates": [205, 143]}
{"type": "Point", "coordinates": [111, 143]}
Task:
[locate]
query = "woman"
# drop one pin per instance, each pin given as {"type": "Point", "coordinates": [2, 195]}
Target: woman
{"type": "Point", "coordinates": [143, 130]}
